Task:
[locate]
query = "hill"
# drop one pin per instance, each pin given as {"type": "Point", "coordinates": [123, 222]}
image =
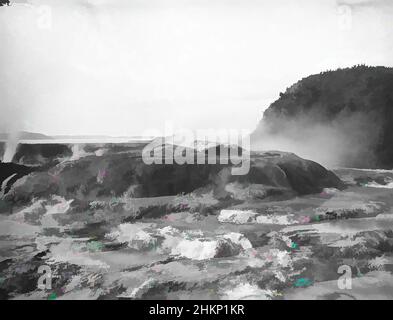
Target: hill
{"type": "Point", "coordinates": [341, 117]}
{"type": "Point", "coordinates": [24, 135]}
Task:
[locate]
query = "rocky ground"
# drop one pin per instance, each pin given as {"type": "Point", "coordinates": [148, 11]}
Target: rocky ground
{"type": "Point", "coordinates": [236, 240]}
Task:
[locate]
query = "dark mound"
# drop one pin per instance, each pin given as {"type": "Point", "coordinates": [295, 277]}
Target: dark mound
{"type": "Point", "coordinates": [114, 174]}
{"type": "Point", "coordinates": [345, 115]}
{"type": "Point", "coordinates": [33, 154]}
{"type": "Point", "coordinates": [13, 172]}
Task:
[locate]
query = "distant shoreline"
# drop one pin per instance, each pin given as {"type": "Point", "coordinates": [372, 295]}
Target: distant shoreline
{"type": "Point", "coordinates": [83, 141]}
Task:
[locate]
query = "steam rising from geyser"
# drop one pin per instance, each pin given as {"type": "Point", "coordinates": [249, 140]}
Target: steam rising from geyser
{"type": "Point", "coordinates": [347, 141]}
{"type": "Point", "coordinates": [11, 146]}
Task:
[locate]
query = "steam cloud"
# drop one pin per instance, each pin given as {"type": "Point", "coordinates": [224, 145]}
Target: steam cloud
{"type": "Point", "coordinates": [346, 141]}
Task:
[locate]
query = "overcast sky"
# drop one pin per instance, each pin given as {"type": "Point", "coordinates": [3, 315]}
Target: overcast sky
{"type": "Point", "coordinates": [120, 67]}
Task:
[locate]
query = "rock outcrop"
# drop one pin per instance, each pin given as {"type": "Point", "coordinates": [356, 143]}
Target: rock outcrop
{"type": "Point", "coordinates": [116, 173]}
